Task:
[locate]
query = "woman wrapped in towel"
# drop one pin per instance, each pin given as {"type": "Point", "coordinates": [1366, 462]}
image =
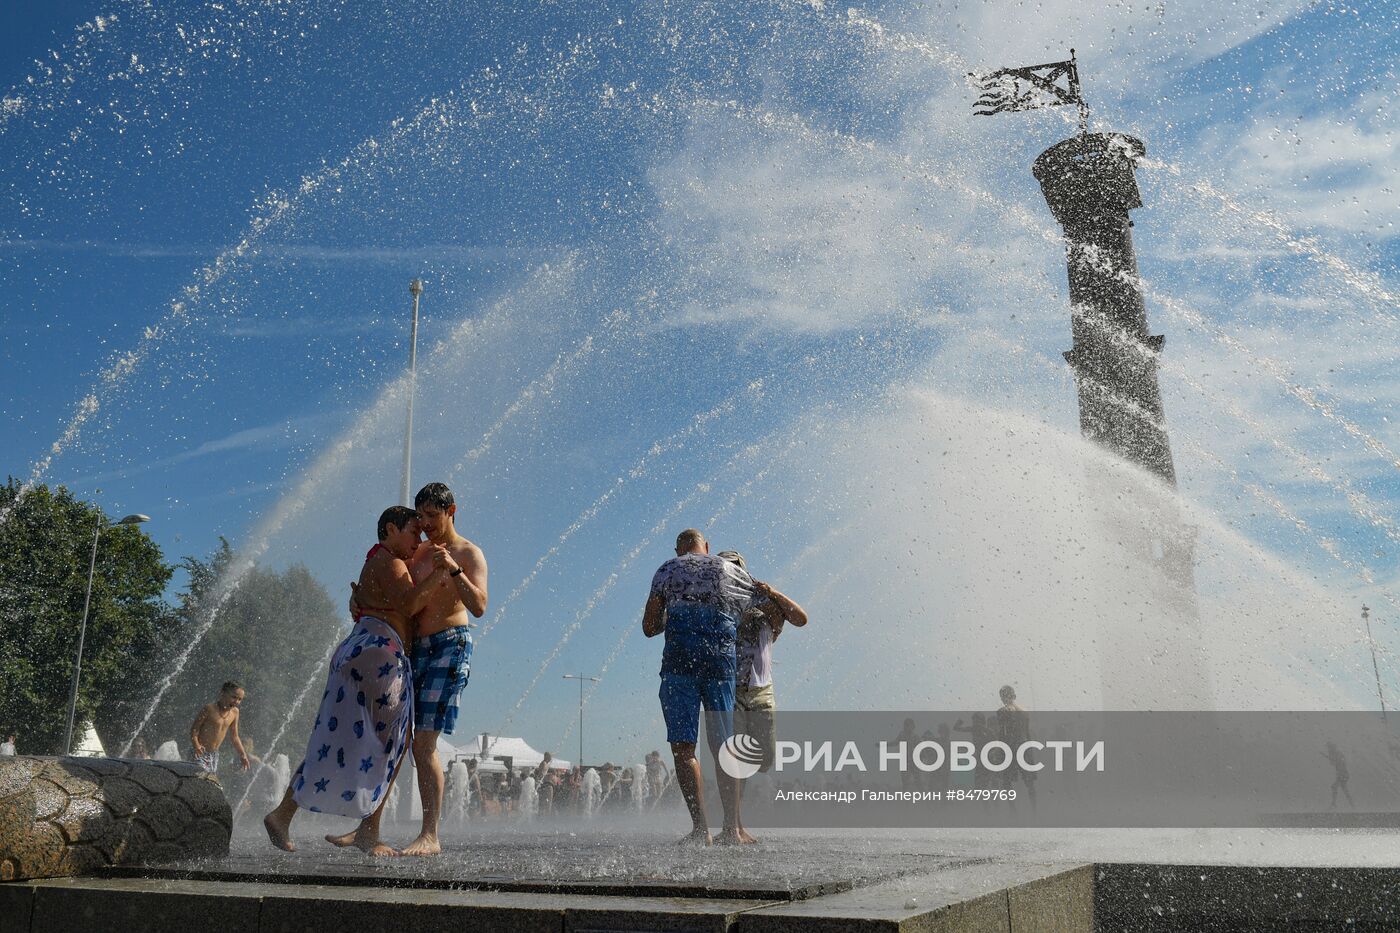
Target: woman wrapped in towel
{"type": "Point", "coordinates": [363, 726]}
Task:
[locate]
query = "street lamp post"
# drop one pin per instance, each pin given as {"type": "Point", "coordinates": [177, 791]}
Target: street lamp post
{"type": "Point", "coordinates": [415, 288]}
{"type": "Point", "coordinates": [580, 678]}
{"type": "Point", "coordinates": [1366, 617]}
{"type": "Point", "coordinates": [82, 630]}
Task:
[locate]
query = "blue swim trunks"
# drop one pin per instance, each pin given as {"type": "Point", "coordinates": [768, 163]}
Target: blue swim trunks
{"type": "Point", "coordinates": [682, 695]}
{"type": "Point", "coordinates": [441, 665]}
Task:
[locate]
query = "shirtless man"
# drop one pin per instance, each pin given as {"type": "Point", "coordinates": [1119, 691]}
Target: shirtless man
{"type": "Point", "coordinates": [364, 714]}
{"type": "Point", "coordinates": [216, 720]}
{"type": "Point", "coordinates": [442, 651]}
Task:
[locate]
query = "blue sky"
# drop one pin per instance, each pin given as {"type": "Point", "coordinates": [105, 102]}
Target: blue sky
{"type": "Point", "coordinates": [680, 256]}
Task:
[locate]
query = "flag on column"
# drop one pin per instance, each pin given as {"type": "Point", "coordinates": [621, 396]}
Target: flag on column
{"type": "Point", "coordinates": [1030, 88]}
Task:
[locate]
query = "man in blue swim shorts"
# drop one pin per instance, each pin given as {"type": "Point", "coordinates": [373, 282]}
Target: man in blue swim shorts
{"type": "Point", "coordinates": [697, 599]}
{"type": "Point", "coordinates": [442, 650]}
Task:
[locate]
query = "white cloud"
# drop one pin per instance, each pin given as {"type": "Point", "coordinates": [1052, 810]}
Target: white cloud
{"type": "Point", "coordinates": [1333, 170]}
{"type": "Point", "coordinates": [781, 225]}
{"type": "Point", "coordinates": [784, 233]}
{"type": "Point", "coordinates": [266, 436]}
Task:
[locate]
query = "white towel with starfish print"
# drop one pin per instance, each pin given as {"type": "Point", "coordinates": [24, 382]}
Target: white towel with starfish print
{"type": "Point", "coordinates": [362, 727]}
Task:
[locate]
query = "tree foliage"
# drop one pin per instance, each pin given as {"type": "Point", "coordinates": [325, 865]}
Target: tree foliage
{"type": "Point", "coordinates": [271, 633]}
{"type": "Point", "coordinates": [45, 548]}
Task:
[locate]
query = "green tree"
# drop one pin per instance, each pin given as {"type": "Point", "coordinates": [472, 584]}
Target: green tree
{"type": "Point", "coordinates": [45, 547]}
{"type": "Point", "coordinates": [272, 633]}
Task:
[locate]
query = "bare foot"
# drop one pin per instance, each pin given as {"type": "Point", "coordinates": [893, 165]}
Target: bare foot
{"type": "Point", "coordinates": [745, 838]}
{"type": "Point", "coordinates": [423, 845]}
{"type": "Point", "coordinates": [367, 841]}
{"type": "Point", "coordinates": [278, 832]}
{"type": "Point", "coordinates": [696, 837]}
{"type": "Point", "coordinates": [376, 847]}
{"type": "Point", "coordinates": [728, 837]}
{"type": "Point", "coordinates": [344, 840]}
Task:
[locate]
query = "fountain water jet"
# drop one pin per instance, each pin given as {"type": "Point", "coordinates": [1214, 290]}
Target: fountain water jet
{"type": "Point", "coordinates": [592, 792]}
{"type": "Point", "coordinates": [274, 209]}
{"type": "Point", "coordinates": [529, 800]}
{"type": "Point", "coordinates": [639, 787]}
{"type": "Point", "coordinates": [696, 425]}
{"type": "Point", "coordinates": [457, 796]}
{"type": "Point", "coordinates": [332, 460]}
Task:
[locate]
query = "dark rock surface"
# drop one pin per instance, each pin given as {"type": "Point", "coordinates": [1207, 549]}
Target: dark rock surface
{"type": "Point", "coordinates": [72, 816]}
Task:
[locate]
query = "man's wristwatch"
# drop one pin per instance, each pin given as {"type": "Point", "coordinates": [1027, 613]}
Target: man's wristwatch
{"type": "Point", "coordinates": [456, 573]}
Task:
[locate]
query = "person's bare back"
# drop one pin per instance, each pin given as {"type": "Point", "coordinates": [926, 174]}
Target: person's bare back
{"type": "Point", "coordinates": [380, 592]}
{"type": "Point", "coordinates": [375, 731]}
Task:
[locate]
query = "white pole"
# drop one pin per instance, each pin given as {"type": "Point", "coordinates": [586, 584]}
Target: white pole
{"type": "Point", "coordinates": [580, 678]}
{"type": "Point", "coordinates": [82, 636]}
{"type": "Point", "coordinates": [415, 288]}
{"type": "Point", "coordinates": [82, 631]}
{"type": "Point", "coordinates": [1366, 617]}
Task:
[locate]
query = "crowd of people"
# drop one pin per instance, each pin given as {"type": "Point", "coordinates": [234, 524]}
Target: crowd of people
{"type": "Point", "coordinates": [395, 682]}
{"type": "Point", "coordinates": [561, 792]}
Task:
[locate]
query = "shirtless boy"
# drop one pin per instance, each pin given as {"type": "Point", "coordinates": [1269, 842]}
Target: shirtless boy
{"type": "Point", "coordinates": [216, 720]}
{"type": "Point", "coordinates": [442, 651]}
{"type": "Point", "coordinates": [363, 722]}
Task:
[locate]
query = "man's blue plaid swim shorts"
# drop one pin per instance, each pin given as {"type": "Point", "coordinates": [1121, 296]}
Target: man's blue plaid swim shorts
{"type": "Point", "coordinates": [441, 666]}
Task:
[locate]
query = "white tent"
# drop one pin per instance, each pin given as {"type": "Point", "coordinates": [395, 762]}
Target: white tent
{"type": "Point", "coordinates": [91, 745]}
{"type": "Point", "coordinates": [486, 748]}
{"type": "Point", "coordinates": [410, 807]}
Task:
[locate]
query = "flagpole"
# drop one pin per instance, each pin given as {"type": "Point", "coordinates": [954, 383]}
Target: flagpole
{"type": "Point", "coordinates": [1078, 93]}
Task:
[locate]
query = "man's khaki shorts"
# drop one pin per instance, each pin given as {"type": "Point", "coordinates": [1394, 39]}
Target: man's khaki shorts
{"type": "Point", "coordinates": [753, 715]}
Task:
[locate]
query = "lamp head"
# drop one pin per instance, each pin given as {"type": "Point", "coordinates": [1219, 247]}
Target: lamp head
{"type": "Point", "coordinates": [134, 519]}
{"type": "Point", "coordinates": [415, 287]}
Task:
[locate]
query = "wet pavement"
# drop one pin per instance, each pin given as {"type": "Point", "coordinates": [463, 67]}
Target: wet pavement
{"type": "Point", "coordinates": [783, 867]}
